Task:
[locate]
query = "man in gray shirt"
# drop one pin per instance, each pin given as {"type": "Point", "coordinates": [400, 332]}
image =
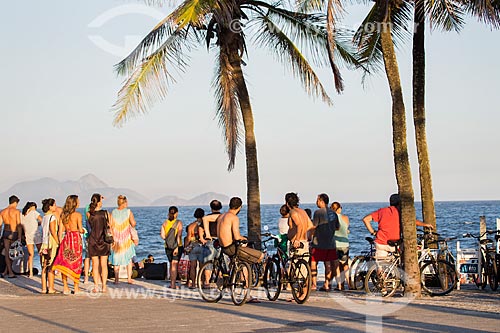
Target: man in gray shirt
{"type": "Point", "coordinates": [325, 223]}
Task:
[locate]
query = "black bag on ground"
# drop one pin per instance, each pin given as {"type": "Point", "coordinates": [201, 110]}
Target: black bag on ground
{"type": "Point", "coordinates": [154, 271]}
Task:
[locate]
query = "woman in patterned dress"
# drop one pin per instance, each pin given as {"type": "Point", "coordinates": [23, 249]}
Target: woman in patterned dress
{"type": "Point", "coordinates": [123, 248]}
{"type": "Point", "coordinates": [69, 257]}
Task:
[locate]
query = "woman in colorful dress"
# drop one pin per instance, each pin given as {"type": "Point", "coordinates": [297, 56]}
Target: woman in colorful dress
{"type": "Point", "coordinates": [98, 249]}
{"type": "Point", "coordinates": [123, 248]}
{"type": "Point", "coordinates": [31, 219]}
{"type": "Point", "coordinates": [69, 259]}
{"type": "Point", "coordinates": [50, 243]}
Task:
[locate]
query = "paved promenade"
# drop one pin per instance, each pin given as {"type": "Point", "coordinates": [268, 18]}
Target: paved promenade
{"type": "Point", "coordinates": [148, 306]}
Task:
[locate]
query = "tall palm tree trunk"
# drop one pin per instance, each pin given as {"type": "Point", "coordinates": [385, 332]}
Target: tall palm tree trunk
{"type": "Point", "coordinates": [426, 194]}
{"type": "Point", "coordinates": [253, 191]}
{"type": "Point", "coordinates": [401, 163]}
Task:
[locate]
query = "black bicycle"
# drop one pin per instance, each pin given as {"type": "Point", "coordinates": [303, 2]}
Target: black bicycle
{"type": "Point", "coordinates": [215, 276]}
{"type": "Point", "coordinates": [487, 261]}
{"type": "Point", "coordinates": [282, 269]}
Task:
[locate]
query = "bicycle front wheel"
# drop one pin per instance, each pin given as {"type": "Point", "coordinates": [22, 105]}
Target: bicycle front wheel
{"type": "Point", "coordinates": [382, 279]}
{"type": "Point", "coordinates": [360, 273]}
{"type": "Point", "coordinates": [300, 280]}
{"type": "Point", "coordinates": [438, 277]}
{"type": "Point", "coordinates": [210, 282]}
{"type": "Point", "coordinates": [272, 279]}
{"type": "Point", "coordinates": [241, 283]}
{"type": "Point", "coordinates": [256, 268]}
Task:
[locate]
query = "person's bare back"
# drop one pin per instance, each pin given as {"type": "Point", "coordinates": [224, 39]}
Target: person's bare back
{"type": "Point", "coordinates": [228, 228]}
{"type": "Point", "coordinates": [298, 224]}
{"type": "Point", "coordinates": [12, 218]}
{"type": "Point", "coordinates": [74, 223]}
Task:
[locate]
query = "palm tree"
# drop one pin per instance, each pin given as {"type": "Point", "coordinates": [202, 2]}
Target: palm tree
{"type": "Point", "coordinates": [375, 39]}
{"type": "Point", "coordinates": [446, 15]}
{"type": "Point", "coordinates": [224, 26]}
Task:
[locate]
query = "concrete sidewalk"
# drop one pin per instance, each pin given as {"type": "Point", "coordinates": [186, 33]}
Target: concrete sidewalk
{"type": "Point", "coordinates": [147, 305]}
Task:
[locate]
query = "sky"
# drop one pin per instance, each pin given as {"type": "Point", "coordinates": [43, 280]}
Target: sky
{"type": "Point", "coordinates": [58, 86]}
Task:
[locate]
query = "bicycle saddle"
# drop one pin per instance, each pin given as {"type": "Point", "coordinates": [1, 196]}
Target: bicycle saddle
{"type": "Point", "coordinates": [486, 241]}
{"type": "Point", "coordinates": [394, 242]}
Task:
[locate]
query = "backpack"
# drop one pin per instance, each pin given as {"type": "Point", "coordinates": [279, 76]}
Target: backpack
{"type": "Point", "coordinates": [171, 238]}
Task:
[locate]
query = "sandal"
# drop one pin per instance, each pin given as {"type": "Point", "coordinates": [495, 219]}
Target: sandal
{"type": "Point", "coordinates": [324, 289]}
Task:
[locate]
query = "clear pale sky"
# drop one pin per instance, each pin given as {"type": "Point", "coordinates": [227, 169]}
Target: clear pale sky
{"type": "Point", "coordinates": [57, 88]}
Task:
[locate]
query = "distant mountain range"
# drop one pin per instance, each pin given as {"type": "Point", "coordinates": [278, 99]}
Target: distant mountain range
{"type": "Point", "coordinates": [37, 190]}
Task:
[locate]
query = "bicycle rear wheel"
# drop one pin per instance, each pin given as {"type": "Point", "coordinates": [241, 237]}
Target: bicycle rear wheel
{"type": "Point", "coordinates": [492, 273]}
{"type": "Point", "coordinates": [272, 279]}
{"type": "Point", "coordinates": [241, 283]}
{"type": "Point", "coordinates": [360, 273]}
{"type": "Point", "coordinates": [382, 279]}
{"type": "Point", "coordinates": [210, 282]}
{"type": "Point", "coordinates": [352, 271]}
{"type": "Point", "coordinates": [300, 280]}
{"type": "Point", "coordinates": [438, 277]}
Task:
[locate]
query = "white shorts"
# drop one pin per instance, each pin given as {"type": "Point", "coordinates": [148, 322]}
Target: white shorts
{"type": "Point", "coordinates": [382, 250]}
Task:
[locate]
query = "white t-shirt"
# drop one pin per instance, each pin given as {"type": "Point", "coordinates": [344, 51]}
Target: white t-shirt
{"type": "Point", "coordinates": [283, 225]}
{"type": "Point", "coordinates": [30, 222]}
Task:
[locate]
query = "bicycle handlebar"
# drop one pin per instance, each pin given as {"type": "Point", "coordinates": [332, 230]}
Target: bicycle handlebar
{"type": "Point", "coordinates": [489, 232]}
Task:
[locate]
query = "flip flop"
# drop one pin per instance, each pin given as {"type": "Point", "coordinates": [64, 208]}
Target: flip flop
{"type": "Point", "coordinates": [324, 289]}
{"type": "Point", "coordinates": [12, 277]}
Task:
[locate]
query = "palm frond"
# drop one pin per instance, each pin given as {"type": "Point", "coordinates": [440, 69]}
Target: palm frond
{"type": "Point", "coordinates": [270, 36]}
{"type": "Point", "coordinates": [330, 29]}
{"type": "Point", "coordinates": [193, 12]}
{"type": "Point", "coordinates": [367, 37]}
{"type": "Point", "coordinates": [150, 80]}
{"type": "Point", "coordinates": [228, 107]}
{"type": "Point", "coordinates": [190, 12]}
{"type": "Point", "coordinates": [445, 14]}
{"type": "Point", "coordinates": [308, 32]}
{"type": "Point", "coordinates": [486, 11]}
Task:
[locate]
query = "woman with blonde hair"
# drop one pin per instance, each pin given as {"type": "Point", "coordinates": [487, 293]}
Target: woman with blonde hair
{"type": "Point", "coordinates": [69, 258]}
{"type": "Point", "coordinates": [123, 248]}
{"type": "Point", "coordinates": [98, 250]}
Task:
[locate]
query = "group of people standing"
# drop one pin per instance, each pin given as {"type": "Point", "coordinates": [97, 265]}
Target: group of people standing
{"type": "Point", "coordinates": [64, 244]}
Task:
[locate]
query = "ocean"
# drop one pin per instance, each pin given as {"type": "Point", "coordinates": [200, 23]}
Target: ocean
{"type": "Point", "coordinates": [453, 218]}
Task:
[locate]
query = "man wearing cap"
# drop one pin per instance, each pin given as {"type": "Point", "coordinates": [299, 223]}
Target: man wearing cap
{"type": "Point", "coordinates": [388, 219]}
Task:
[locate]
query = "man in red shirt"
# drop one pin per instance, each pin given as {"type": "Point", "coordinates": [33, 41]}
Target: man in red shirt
{"type": "Point", "coordinates": [388, 226]}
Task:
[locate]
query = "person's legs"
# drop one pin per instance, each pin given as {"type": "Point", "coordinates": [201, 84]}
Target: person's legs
{"type": "Point", "coordinates": [31, 252]}
{"type": "Point", "coordinates": [65, 284]}
{"type": "Point", "coordinates": [192, 273]}
{"type": "Point", "coordinates": [129, 272]}
{"type": "Point", "coordinates": [117, 273]}
{"type": "Point", "coordinates": [328, 274]}
{"type": "Point", "coordinates": [104, 271]}
{"type": "Point", "coordinates": [96, 273]}
{"type": "Point", "coordinates": [86, 268]}
{"type": "Point", "coordinates": [44, 274]}
{"type": "Point", "coordinates": [8, 262]}
{"type": "Point", "coordinates": [50, 278]}
{"type": "Point", "coordinates": [314, 274]}
{"type": "Point", "coordinates": [173, 273]}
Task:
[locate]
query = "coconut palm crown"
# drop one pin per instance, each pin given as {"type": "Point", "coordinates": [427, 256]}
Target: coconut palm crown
{"type": "Point", "coordinates": [298, 40]}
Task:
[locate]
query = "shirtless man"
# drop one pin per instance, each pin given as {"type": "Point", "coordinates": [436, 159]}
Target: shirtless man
{"type": "Point", "coordinates": [11, 216]}
{"type": "Point", "coordinates": [298, 224]}
{"type": "Point", "coordinates": [210, 229]}
{"type": "Point", "coordinates": [228, 231]}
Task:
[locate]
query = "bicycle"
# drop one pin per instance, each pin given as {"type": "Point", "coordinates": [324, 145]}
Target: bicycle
{"type": "Point", "coordinates": [384, 277]}
{"type": "Point", "coordinates": [359, 266]}
{"type": "Point", "coordinates": [487, 261]}
{"type": "Point", "coordinates": [282, 269]}
{"type": "Point", "coordinates": [215, 276]}
{"type": "Point", "coordinates": [438, 274]}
